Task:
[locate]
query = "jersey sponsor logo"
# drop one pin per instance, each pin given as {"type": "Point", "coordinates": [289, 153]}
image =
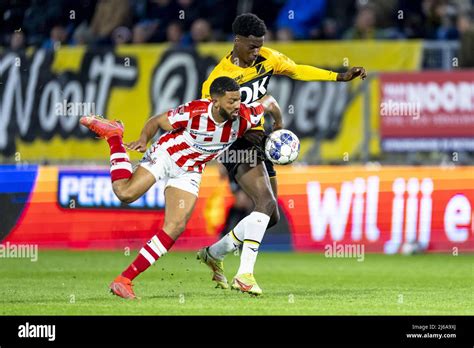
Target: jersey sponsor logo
{"type": "Point", "coordinates": [197, 132]}
{"type": "Point", "coordinates": [203, 149]}
{"type": "Point", "coordinates": [93, 189]}
{"type": "Point", "coordinates": [255, 89]}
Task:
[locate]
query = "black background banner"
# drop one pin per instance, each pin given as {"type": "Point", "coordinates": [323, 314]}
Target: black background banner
{"type": "Point", "coordinates": [289, 331]}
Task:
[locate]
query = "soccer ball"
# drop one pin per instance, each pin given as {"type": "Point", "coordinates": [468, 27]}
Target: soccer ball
{"type": "Point", "coordinates": [282, 147]}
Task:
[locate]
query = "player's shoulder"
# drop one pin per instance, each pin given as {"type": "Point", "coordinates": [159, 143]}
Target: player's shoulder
{"type": "Point", "coordinates": [224, 66]}
{"type": "Point", "coordinates": [195, 108]}
{"type": "Point", "coordinates": [221, 69]}
{"type": "Point", "coordinates": [270, 53]}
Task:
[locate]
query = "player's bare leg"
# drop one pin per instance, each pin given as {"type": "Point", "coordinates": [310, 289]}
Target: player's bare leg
{"type": "Point", "coordinates": [179, 205]}
{"type": "Point", "coordinates": [129, 190]}
{"type": "Point", "coordinates": [275, 217]}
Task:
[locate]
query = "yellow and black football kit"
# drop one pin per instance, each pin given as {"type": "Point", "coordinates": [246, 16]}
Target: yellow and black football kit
{"type": "Point", "coordinates": [253, 82]}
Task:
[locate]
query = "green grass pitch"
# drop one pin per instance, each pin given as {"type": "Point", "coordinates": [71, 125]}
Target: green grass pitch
{"type": "Point", "coordinates": [75, 283]}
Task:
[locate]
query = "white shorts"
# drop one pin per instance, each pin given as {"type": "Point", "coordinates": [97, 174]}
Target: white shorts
{"type": "Point", "coordinates": [159, 163]}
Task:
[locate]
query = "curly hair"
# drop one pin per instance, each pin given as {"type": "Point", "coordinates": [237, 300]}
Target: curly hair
{"type": "Point", "coordinates": [223, 84]}
{"type": "Point", "coordinates": [248, 24]}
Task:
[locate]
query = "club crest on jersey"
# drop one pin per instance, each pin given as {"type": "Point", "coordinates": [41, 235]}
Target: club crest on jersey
{"type": "Point", "coordinates": [180, 109]}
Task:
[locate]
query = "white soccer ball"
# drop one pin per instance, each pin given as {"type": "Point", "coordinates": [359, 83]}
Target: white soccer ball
{"type": "Point", "coordinates": [282, 147]}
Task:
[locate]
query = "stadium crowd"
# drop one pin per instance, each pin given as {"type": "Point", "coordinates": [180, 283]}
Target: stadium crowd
{"type": "Point", "coordinates": [51, 23]}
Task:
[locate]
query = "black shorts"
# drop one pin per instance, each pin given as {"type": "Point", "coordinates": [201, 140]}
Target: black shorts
{"type": "Point", "coordinates": [243, 144]}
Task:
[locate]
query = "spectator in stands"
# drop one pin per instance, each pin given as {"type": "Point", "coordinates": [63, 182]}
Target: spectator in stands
{"type": "Point", "coordinates": [152, 27]}
{"type": "Point", "coordinates": [447, 29]}
{"type": "Point", "coordinates": [121, 35]}
{"type": "Point", "coordinates": [432, 13]}
{"type": "Point", "coordinates": [57, 37]}
{"type": "Point", "coordinates": [108, 15]}
{"type": "Point", "coordinates": [410, 19]}
{"type": "Point", "coordinates": [220, 15]}
{"type": "Point", "coordinates": [174, 33]}
{"type": "Point", "coordinates": [364, 25]}
{"type": "Point", "coordinates": [466, 30]}
{"type": "Point", "coordinates": [17, 40]}
{"type": "Point", "coordinates": [201, 31]}
{"type": "Point", "coordinates": [191, 10]}
{"type": "Point", "coordinates": [300, 19]}
{"type": "Point", "coordinates": [38, 18]}
{"type": "Point", "coordinates": [144, 31]}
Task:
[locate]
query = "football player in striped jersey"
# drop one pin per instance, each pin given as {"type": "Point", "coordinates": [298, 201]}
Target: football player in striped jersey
{"type": "Point", "coordinates": [196, 133]}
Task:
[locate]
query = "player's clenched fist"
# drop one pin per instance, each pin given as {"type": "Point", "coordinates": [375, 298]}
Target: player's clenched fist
{"type": "Point", "coordinates": [352, 73]}
{"type": "Point", "coordinates": [138, 145]}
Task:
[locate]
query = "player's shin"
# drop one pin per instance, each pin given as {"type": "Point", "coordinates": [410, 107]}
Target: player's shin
{"type": "Point", "coordinates": [155, 248]}
{"type": "Point", "coordinates": [255, 227]}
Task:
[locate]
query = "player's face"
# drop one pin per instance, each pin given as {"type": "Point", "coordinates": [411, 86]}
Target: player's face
{"type": "Point", "coordinates": [248, 48]}
{"type": "Point", "coordinates": [229, 105]}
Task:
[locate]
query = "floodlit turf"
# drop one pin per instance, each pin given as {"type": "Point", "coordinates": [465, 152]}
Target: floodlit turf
{"type": "Point", "coordinates": [75, 283]}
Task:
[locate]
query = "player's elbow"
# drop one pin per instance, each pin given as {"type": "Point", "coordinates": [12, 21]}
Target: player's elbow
{"type": "Point", "coordinates": [274, 108]}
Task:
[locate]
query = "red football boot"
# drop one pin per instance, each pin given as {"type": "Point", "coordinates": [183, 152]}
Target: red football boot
{"type": "Point", "coordinates": [102, 127]}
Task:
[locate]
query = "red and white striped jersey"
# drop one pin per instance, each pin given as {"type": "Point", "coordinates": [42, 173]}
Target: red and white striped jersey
{"type": "Point", "coordinates": [197, 138]}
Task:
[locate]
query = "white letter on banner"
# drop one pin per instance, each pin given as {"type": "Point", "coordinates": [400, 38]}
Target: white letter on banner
{"type": "Point", "coordinates": [458, 212]}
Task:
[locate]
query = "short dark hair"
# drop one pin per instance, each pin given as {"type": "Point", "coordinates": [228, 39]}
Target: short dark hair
{"type": "Point", "coordinates": [223, 84]}
{"type": "Point", "coordinates": [248, 24]}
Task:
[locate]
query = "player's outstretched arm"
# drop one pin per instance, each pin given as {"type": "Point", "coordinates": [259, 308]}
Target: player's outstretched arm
{"type": "Point", "coordinates": [311, 73]}
{"type": "Point", "coordinates": [149, 130]}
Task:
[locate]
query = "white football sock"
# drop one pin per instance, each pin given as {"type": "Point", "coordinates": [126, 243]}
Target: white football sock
{"type": "Point", "coordinates": [230, 242]}
{"type": "Point", "coordinates": [255, 227]}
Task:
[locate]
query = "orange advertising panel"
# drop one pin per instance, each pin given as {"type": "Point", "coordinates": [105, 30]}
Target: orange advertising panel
{"type": "Point", "coordinates": [381, 208]}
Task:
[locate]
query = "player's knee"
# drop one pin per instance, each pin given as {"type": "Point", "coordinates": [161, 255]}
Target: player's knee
{"type": "Point", "coordinates": [266, 204]}
{"type": "Point", "coordinates": [125, 195]}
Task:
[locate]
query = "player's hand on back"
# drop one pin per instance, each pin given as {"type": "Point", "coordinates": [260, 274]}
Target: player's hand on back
{"type": "Point", "coordinates": [352, 73]}
{"type": "Point", "coordinates": [138, 145]}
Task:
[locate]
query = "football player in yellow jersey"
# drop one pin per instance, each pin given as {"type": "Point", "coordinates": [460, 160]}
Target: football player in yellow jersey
{"type": "Point", "coordinates": [252, 66]}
